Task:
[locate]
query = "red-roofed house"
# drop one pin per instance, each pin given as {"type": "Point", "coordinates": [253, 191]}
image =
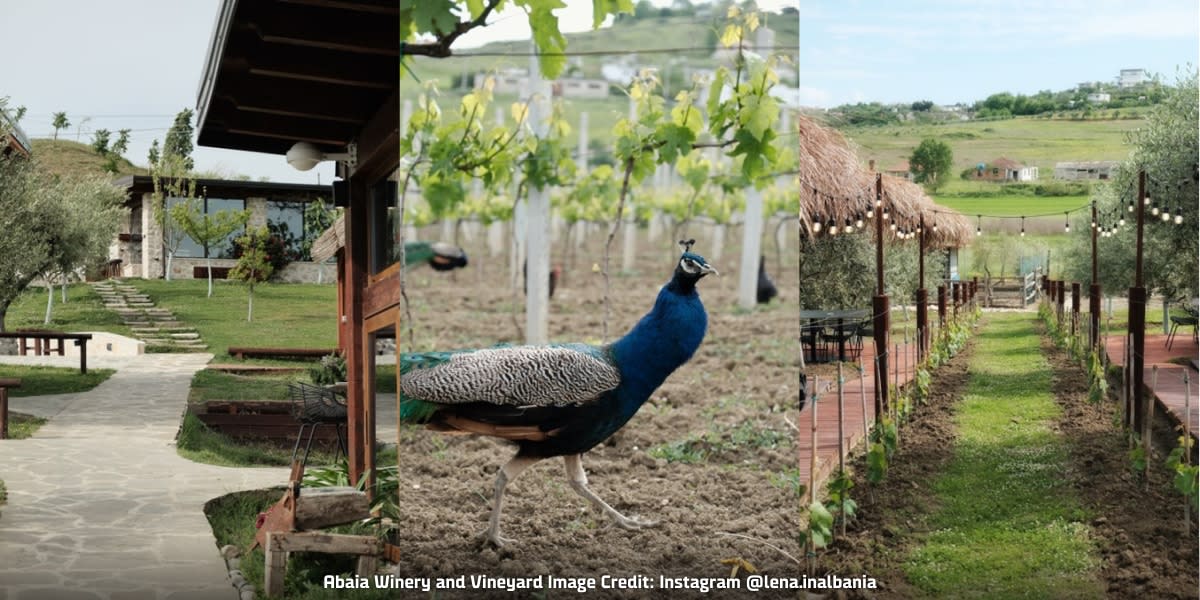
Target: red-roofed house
{"type": "Point", "coordinates": [1005, 169]}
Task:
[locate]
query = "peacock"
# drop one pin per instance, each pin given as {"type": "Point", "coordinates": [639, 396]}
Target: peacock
{"type": "Point", "coordinates": [561, 399]}
{"type": "Point", "coordinates": [766, 288]}
{"type": "Point", "coordinates": [440, 255]}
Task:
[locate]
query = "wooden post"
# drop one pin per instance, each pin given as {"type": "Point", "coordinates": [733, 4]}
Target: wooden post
{"type": "Point", "coordinates": [5, 384]}
{"type": "Point", "coordinates": [862, 397]}
{"type": "Point", "coordinates": [879, 305]}
{"type": "Point", "coordinates": [812, 474]}
{"type": "Point", "coordinates": [355, 253]}
{"type": "Point", "coordinates": [1148, 425]}
{"type": "Point", "coordinates": [941, 307]}
{"type": "Point", "coordinates": [1137, 308]}
{"type": "Point", "coordinates": [1187, 443]}
{"type": "Point", "coordinates": [922, 295]}
{"type": "Point", "coordinates": [751, 249]}
{"type": "Point", "coordinates": [1094, 291]}
{"type": "Point", "coordinates": [1074, 305]}
{"type": "Point", "coordinates": [276, 567]}
{"type": "Point", "coordinates": [1061, 296]}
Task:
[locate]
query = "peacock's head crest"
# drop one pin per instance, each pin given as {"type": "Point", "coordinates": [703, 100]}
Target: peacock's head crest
{"type": "Point", "coordinates": [692, 267]}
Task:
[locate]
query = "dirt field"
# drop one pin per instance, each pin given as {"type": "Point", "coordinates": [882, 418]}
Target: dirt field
{"type": "Point", "coordinates": [724, 418]}
{"type": "Point", "coordinates": [1142, 547]}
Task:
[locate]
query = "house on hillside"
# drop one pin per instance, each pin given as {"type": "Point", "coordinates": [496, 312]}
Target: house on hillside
{"type": "Point", "coordinates": [901, 170]}
{"type": "Point", "coordinates": [138, 249]}
{"type": "Point", "coordinates": [1099, 97]}
{"type": "Point", "coordinates": [1132, 77]}
{"type": "Point", "coordinates": [516, 81]}
{"type": "Point", "coordinates": [1004, 170]}
{"type": "Point", "coordinates": [1084, 170]}
{"type": "Point", "coordinates": [16, 141]}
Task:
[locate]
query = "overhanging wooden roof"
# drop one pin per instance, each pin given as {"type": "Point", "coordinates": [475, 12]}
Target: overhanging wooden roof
{"type": "Point", "coordinates": [283, 71]}
{"type": "Point", "coordinates": [236, 188]}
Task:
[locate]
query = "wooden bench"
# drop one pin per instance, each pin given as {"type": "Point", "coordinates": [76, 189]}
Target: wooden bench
{"type": "Point", "coordinates": [5, 384]}
{"type": "Point", "coordinates": [45, 343]}
{"type": "Point", "coordinates": [243, 353]}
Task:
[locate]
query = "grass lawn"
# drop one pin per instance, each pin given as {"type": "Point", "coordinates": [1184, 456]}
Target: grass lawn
{"type": "Point", "coordinates": [285, 315]}
{"type": "Point", "coordinates": [22, 426]}
{"type": "Point", "coordinates": [1035, 142]}
{"type": "Point", "coordinates": [1008, 524]}
{"type": "Point", "coordinates": [83, 311]}
{"type": "Point", "coordinates": [1003, 205]}
{"type": "Point", "coordinates": [39, 381]}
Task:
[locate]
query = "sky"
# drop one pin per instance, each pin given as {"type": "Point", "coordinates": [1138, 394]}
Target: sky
{"type": "Point", "coordinates": [136, 63]}
{"type": "Point", "coordinates": [952, 51]}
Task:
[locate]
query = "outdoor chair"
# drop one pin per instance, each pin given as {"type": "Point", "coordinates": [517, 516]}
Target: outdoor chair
{"type": "Point", "coordinates": [844, 335]}
{"type": "Point", "coordinates": [812, 338]}
{"type": "Point", "coordinates": [314, 406]}
{"type": "Point", "coordinates": [1177, 321]}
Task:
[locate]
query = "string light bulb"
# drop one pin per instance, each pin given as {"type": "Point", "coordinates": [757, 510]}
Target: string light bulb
{"type": "Point", "coordinates": [1154, 210]}
{"type": "Point", "coordinates": [1178, 215]}
{"type": "Point", "coordinates": [1022, 226]}
{"type": "Point", "coordinates": [978, 224]}
{"type": "Point", "coordinates": [885, 214]}
{"type": "Point", "coordinates": [849, 226]}
{"type": "Point", "coordinates": [1121, 221]}
{"type": "Point", "coordinates": [858, 221]}
{"type": "Point", "coordinates": [1067, 227]}
{"type": "Point", "coordinates": [870, 212]}
{"type": "Point", "coordinates": [816, 225]}
{"type": "Point", "coordinates": [832, 227]}
{"type": "Point", "coordinates": [1131, 205]}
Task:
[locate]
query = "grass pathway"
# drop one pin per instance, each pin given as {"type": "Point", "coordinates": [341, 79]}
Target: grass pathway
{"type": "Point", "coordinates": [1008, 524]}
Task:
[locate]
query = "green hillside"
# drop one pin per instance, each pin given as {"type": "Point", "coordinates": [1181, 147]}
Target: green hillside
{"type": "Point", "coordinates": [1035, 142]}
{"type": "Point", "coordinates": [65, 157]}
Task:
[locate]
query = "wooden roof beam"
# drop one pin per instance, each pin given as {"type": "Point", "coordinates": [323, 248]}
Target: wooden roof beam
{"type": "Point", "coordinates": [330, 29]}
{"type": "Point", "coordinates": [379, 7]}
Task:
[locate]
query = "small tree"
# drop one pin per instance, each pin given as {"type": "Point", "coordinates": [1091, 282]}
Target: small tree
{"type": "Point", "coordinates": [100, 141]}
{"type": "Point", "coordinates": [930, 161]}
{"type": "Point", "coordinates": [60, 122]}
{"type": "Point", "coordinates": [153, 154]}
{"type": "Point", "coordinates": [120, 146]}
{"type": "Point", "coordinates": [254, 266]}
{"type": "Point", "coordinates": [207, 230]}
{"type": "Point", "coordinates": [172, 179]}
{"type": "Point", "coordinates": [179, 139]}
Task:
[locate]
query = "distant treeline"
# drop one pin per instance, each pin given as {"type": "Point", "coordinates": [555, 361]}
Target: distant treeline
{"type": "Point", "coordinates": [1069, 104]}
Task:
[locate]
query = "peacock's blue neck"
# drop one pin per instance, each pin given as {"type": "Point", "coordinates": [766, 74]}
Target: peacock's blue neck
{"type": "Point", "coordinates": [661, 342]}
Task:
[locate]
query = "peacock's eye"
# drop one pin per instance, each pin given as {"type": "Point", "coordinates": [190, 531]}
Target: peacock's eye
{"type": "Point", "coordinates": [689, 266]}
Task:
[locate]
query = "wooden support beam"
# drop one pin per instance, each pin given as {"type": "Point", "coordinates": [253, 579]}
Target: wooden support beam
{"type": "Point", "coordinates": [379, 141]}
{"type": "Point", "coordinates": [355, 256]}
{"type": "Point", "coordinates": [319, 27]}
{"type": "Point", "coordinates": [328, 543]}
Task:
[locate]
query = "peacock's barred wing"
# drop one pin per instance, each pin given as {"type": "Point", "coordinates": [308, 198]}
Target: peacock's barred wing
{"type": "Point", "coordinates": [510, 376]}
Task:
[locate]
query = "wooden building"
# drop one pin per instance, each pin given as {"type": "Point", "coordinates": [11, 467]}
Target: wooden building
{"type": "Point", "coordinates": [323, 72]}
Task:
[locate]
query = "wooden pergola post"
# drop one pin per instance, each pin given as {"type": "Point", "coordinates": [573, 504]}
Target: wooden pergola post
{"type": "Point", "coordinates": [922, 296]}
{"type": "Point", "coordinates": [880, 308]}
{"type": "Point", "coordinates": [1094, 291]}
{"type": "Point", "coordinates": [1137, 313]}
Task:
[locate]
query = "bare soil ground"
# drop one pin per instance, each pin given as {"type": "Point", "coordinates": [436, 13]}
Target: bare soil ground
{"type": "Point", "coordinates": [1145, 552]}
{"type": "Point", "coordinates": [724, 416]}
{"type": "Point", "coordinates": [892, 515]}
{"type": "Point", "coordinates": [1143, 548]}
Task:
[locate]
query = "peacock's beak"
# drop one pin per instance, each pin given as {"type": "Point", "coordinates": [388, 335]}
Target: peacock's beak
{"type": "Point", "coordinates": [707, 269]}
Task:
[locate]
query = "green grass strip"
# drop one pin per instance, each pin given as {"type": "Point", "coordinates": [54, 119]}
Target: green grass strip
{"type": "Point", "coordinates": [1008, 525]}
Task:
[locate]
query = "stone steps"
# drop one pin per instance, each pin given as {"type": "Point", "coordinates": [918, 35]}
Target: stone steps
{"type": "Point", "coordinates": [153, 325]}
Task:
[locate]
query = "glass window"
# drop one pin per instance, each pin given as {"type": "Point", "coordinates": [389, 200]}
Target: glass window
{"type": "Point", "coordinates": [189, 248]}
{"type": "Point", "coordinates": [286, 220]}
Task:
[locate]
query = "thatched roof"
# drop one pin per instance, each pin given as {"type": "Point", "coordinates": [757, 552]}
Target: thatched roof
{"type": "Point", "coordinates": [326, 246]}
{"type": "Point", "coordinates": [834, 185]}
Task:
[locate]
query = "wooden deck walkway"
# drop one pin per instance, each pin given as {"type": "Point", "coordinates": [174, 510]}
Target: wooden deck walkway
{"type": "Point", "coordinates": [1170, 388]}
{"type": "Point", "coordinates": [855, 389]}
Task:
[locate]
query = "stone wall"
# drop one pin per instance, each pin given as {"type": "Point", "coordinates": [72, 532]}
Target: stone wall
{"type": "Point", "coordinates": [295, 272]}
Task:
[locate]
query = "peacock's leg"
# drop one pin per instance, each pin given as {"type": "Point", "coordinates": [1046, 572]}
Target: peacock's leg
{"type": "Point", "coordinates": [578, 479]}
{"type": "Point", "coordinates": [507, 473]}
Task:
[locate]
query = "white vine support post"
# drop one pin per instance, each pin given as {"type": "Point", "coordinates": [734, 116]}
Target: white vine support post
{"type": "Point", "coordinates": [1187, 443]}
{"type": "Point", "coordinates": [495, 233]}
{"type": "Point", "coordinates": [752, 229]}
{"type": "Point", "coordinates": [581, 227]}
{"type": "Point", "coordinates": [537, 225]}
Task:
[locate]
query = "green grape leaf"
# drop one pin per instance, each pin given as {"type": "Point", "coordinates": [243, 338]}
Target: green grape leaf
{"type": "Point", "coordinates": [432, 16]}
{"type": "Point", "coordinates": [602, 8]}
{"type": "Point", "coordinates": [676, 140]}
{"type": "Point", "coordinates": [550, 41]}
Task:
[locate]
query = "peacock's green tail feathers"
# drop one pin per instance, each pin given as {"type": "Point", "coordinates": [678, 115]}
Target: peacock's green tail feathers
{"type": "Point", "coordinates": [416, 411]}
{"type": "Point", "coordinates": [417, 252]}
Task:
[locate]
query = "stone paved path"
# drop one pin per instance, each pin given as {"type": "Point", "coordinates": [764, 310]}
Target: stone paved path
{"type": "Point", "coordinates": [153, 325]}
{"type": "Point", "coordinates": [101, 506]}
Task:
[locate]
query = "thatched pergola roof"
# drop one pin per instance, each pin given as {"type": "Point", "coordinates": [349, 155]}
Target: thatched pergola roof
{"type": "Point", "coordinates": [835, 186]}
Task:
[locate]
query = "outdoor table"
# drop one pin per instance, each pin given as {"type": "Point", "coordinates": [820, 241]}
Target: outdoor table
{"type": "Point", "coordinates": [840, 316]}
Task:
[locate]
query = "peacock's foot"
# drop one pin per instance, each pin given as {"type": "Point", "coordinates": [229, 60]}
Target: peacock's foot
{"type": "Point", "coordinates": [632, 523]}
{"type": "Point", "coordinates": [493, 537]}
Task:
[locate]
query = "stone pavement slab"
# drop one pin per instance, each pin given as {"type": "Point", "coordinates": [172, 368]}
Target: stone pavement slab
{"type": "Point", "coordinates": [100, 504]}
